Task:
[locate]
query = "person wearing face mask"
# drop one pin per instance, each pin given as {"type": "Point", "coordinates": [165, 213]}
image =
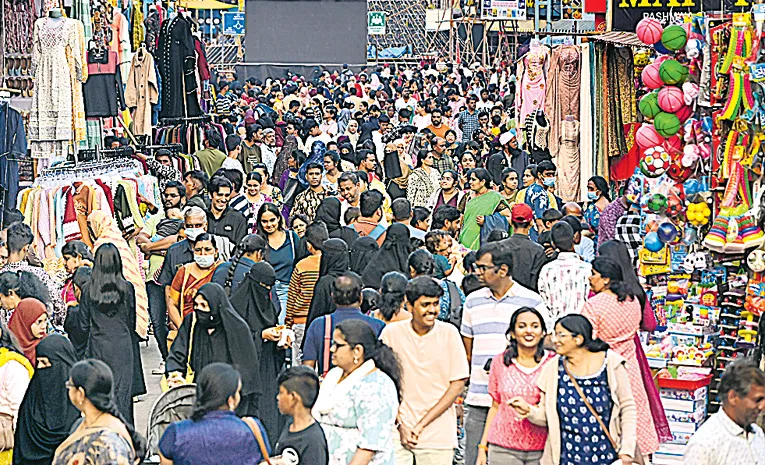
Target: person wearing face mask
{"type": "Point", "coordinates": [538, 196]}
{"type": "Point", "coordinates": [218, 334]}
{"type": "Point", "coordinates": [597, 200]}
{"type": "Point", "coordinates": [189, 278]}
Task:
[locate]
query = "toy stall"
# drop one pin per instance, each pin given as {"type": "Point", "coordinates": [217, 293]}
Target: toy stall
{"type": "Point", "coordinates": [697, 191]}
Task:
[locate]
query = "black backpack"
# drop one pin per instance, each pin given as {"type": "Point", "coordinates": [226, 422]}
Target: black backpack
{"type": "Point", "coordinates": [455, 305]}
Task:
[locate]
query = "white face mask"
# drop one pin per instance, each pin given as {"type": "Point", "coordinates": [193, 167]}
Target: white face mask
{"type": "Point", "coordinates": [193, 233]}
{"type": "Point", "coordinates": [204, 261]}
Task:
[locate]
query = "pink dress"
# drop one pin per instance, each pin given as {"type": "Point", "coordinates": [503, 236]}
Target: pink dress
{"type": "Point", "coordinates": [617, 323]}
{"type": "Point", "coordinates": [533, 83]}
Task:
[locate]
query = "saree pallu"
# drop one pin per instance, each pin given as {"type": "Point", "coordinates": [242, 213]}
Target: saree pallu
{"type": "Point", "coordinates": [95, 446]}
{"type": "Point", "coordinates": [483, 205]}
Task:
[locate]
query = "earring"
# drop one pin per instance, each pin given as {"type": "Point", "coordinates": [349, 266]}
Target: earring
{"type": "Point", "coordinates": [355, 360]}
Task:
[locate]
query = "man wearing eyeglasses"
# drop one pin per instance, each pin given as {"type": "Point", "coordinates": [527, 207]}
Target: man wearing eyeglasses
{"type": "Point", "coordinates": [485, 318]}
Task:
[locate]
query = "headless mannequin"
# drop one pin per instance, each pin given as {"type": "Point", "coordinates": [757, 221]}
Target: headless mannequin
{"type": "Point", "coordinates": [55, 14]}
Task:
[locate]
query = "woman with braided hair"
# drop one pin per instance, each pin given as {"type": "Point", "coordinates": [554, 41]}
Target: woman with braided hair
{"type": "Point", "coordinates": [103, 435]}
{"type": "Point", "coordinates": [250, 251]}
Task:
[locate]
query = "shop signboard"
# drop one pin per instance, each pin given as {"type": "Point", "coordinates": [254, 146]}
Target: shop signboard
{"type": "Point", "coordinates": [233, 23]}
{"type": "Point", "coordinates": [376, 23]}
{"type": "Point", "coordinates": [626, 14]}
{"type": "Point", "coordinates": [503, 9]}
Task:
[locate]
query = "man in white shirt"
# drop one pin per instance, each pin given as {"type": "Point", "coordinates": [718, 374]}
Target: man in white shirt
{"type": "Point", "coordinates": [315, 133]}
{"type": "Point", "coordinates": [730, 436]}
{"type": "Point", "coordinates": [406, 100]}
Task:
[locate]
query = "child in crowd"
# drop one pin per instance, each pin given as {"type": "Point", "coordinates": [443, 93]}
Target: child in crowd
{"type": "Point", "coordinates": [439, 244]}
{"type": "Point", "coordinates": [170, 225]}
{"type": "Point", "coordinates": [302, 440]}
{"type": "Point", "coordinates": [549, 218]}
{"type": "Point", "coordinates": [76, 254]}
{"type": "Point", "coordinates": [351, 215]}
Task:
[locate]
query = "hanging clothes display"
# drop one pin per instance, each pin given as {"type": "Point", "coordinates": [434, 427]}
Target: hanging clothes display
{"type": "Point", "coordinates": [13, 146]}
{"type": "Point", "coordinates": [51, 122]}
{"type": "Point", "coordinates": [121, 41]}
{"type": "Point", "coordinates": [177, 65]}
{"type": "Point", "coordinates": [19, 19]}
{"type": "Point", "coordinates": [532, 82]}
{"type": "Point", "coordinates": [78, 105]}
{"type": "Point", "coordinates": [562, 109]}
{"type": "Point", "coordinates": [103, 90]}
{"type": "Point", "coordinates": [142, 91]}
{"type": "Point", "coordinates": [151, 25]}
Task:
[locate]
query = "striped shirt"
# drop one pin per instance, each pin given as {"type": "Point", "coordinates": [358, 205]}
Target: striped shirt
{"type": "Point", "coordinates": [301, 287]}
{"type": "Point", "coordinates": [485, 319]}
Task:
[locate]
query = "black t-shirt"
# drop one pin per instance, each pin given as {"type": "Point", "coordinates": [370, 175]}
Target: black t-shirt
{"type": "Point", "coordinates": [306, 447]}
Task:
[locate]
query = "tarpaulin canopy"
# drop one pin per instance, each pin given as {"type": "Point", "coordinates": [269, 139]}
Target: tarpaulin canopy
{"type": "Point", "coordinates": [205, 5]}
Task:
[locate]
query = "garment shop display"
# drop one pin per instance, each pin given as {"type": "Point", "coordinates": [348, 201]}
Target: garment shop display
{"type": "Point", "coordinates": [177, 65]}
{"type": "Point", "coordinates": [103, 90]}
{"type": "Point", "coordinates": [586, 136]}
{"type": "Point", "coordinates": [19, 19]}
{"type": "Point", "coordinates": [142, 91]}
{"type": "Point", "coordinates": [151, 26]}
{"type": "Point", "coordinates": [121, 41]}
{"type": "Point", "coordinates": [532, 81]}
{"type": "Point", "coordinates": [13, 147]}
{"type": "Point", "coordinates": [56, 40]}
{"type": "Point", "coordinates": [189, 132]}
{"type": "Point", "coordinates": [536, 133]}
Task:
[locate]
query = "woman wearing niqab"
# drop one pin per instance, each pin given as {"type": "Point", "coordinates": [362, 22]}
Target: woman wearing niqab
{"type": "Point", "coordinates": [363, 250]}
{"type": "Point", "coordinates": [46, 415]}
{"type": "Point", "coordinates": [220, 335]}
{"type": "Point", "coordinates": [334, 262]}
{"type": "Point", "coordinates": [329, 212]}
{"type": "Point", "coordinates": [252, 300]}
{"type": "Point", "coordinates": [392, 256]}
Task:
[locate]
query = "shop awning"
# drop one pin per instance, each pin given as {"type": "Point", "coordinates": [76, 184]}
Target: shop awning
{"type": "Point", "coordinates": [620, 38]}
{"type": "Point", "coordinates": [205, 5]}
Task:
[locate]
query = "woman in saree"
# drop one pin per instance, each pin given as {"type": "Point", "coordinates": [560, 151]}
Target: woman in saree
{"type": "Point", "coordinates": [104, 230]}
{"type": "Point", "coordinates": [103, 437]}
{"type": "Point", "coordinates": [485, 211]}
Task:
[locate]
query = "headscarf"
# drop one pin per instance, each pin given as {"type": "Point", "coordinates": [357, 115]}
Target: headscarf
{"type": "Point", "coordinates": [365, 133]}
{"type": "Point", "coordinates": [46, 415]}
{"type": "Point", "coordinates": [318, 149]}
{"type": "Point", "coordinates": [392, 256]}
{"type": "Point", "coordinates": [244, 356]}
{"type": "Point", "coordinates": [334, 262]}
{"type": "Point", "coordinates": [27, 312]}
{"type": "Point", "coordinates": [105, 229]}
{"type": "Point", "coordinates": [329, 213]}
{"type": "Point", "coordinates": [282, 160]}
{"type": "Point", "coordinates": [363, 250]}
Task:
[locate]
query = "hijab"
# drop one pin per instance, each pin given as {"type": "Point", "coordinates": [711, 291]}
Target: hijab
{"type": "Point", "coordinates": [363, 250]}
{"type": "Point", "coordinates": [252, 300]}
{"type": "Point", "coordinates": [46, 415]}
{"type": "Point", "coordinates": [334, 262]}
{"type": "Point", "coordinates": [365, 133]}
{"type": "Point", "coordinates": [241, 347]}
{"type": "Point", "coordinates": [392, 256]}
{"type": "Point", "coordinates": [27, 312]}
{"type": "Point", "coordinates": [329, 213]}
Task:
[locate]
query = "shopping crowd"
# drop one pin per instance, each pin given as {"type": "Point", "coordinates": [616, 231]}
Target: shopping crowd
{"type": "Point", "coordinates": [367, 269]}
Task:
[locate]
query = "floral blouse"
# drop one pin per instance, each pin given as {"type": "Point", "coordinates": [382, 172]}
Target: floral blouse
{"type": "Point", "coordinates": [363, 418]}
{"type": "Point", "coordinates": [95, 446]}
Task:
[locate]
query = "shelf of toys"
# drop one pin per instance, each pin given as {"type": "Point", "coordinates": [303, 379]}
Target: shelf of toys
{"type": "Point", "coordinates": [698, 192]}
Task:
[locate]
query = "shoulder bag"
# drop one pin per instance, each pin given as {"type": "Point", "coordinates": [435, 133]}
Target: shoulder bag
{"type": "Point", "coordinates": [258, 437]}
{"type": "Point", "coordinates": [637, 457]}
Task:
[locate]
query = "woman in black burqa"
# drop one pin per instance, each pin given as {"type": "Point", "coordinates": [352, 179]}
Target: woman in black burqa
{"type": "Point", "coordinates": [363, 250]}
{"type": "Point", "coordinates": [334, 262]}
{"type": "Point", "coordinates": [215, 332]}
{"type": "Point", "coordinates": [46, 415]}
{"type": "Point", "coordinates": [329, 212]}
{"type": "Point", "coordinates": [252, 300]}
{"type": "Point", "coordinates": [392, 256]}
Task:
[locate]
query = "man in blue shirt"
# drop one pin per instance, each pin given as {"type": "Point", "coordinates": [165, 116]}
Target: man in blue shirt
{"type": "Point", "coordinates": [346, 292]}
{"type": "Point", "coordinates": [537, 196]}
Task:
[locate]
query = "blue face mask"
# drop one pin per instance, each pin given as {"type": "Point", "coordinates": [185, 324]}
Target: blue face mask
{"type": "Point", "coordinates": [549, 182]}
{"type": "Point", "coordinates": [592, 195]}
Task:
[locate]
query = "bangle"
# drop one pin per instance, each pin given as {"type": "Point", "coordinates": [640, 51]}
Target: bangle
{"type": "Point", "coordinates": [483, 447]}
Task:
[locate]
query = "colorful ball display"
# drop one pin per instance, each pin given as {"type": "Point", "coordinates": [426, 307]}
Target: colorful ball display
{"type": "Point", "coordinates": [647, 137]}
{"type": "Point", "coordinates": [651, 77]}
{"type": "Point", "coordinates": [652, 242]}
{"type": "Point", "coordinates": [660, 48]}
{"type": "Point", "coordinates": [671, 99]}
{"type": "Point", "coordinates": [655, 162]}
{"type": "Point", "coordinates": [656, 203]}
{"type": "Point", "coordinates": [684, 113]}
{"type": "Point", "coordinates": [673, 144]}
{"type": "Point", "coordinates": [666, 124]}
{"type": "Point", "coordinates": [672, 72]}
{"type": "Point", "coordinates": [674, 37]}
{"type": "Point", "coordinates": [649, 105]}
{"type": "Point", "coordinates": [649, 31]}
{"type": "Point", "coordinates": [667, 232]}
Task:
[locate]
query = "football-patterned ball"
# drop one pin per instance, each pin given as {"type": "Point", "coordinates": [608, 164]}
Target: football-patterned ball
{"type": "Point", "coordinates": [655, 162]}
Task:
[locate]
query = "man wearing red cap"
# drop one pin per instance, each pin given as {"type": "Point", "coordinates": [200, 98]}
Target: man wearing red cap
{"type": "Point", "coordinates": [528, 256]}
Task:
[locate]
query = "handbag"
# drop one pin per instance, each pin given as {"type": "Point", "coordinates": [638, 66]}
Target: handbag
{"type": "Point", "coordinates": [637, 457]}
{"type": "Point", "coordinates": [6, 432]}
{"type": "Point", "coordinates": [258, 437]}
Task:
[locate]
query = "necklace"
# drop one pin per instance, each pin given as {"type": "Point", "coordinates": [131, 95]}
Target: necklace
{"type": "Point", "coordinates": [94, 421]}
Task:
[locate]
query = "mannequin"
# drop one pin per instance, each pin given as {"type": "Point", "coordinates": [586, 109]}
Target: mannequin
{"type": "Point", "coordinates": [55, 13]}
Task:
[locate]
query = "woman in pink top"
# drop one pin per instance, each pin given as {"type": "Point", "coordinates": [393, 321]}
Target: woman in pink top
{"type": "Point", "coordinates": [615, 314]}
{"type": "Point", "coordinates": [508, 438]}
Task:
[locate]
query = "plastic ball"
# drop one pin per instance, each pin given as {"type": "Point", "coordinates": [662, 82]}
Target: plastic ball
{"type": "Point", "coordinates": [667, 232]}
{"type": "Point", "coordinates": [660, 48]}
{"type": "Point", "coordinates": [657, 203]}
{"type": "Point", "coordinates": [670, 99]}
{"type": "Point", "coordinates": [651, 77]}
{"type": "Point", "coordinates": [684, 113]}
{"type": "Point", "coordinates": [706, 124]}
{"type": "Point", "coordinates": [692, 187]}
{"type": "Point", "coordinates": [649, 30]}
{"type": "Point", "coordinates": [674, 206]}
{"type": "Point", "coordinates": [672, 72]}
{"type": "Point", "coordinates": [649, 105]}
{"type": "Point", "coordinates": [672, 144]}
{"type": "Point", "coordinates": [699, 213]}
{"type": "Point", "coordinates": [693, 48]}
{"type": "Point", "coordinates": [677, 172]}
{"type": "Point", "coordinates": [655, 162]}
{"type": "Point", "coordinates": [674, 37]}
{"type": "Point", "coordinates": [652, 242]}
{"type": "Point", "coordinates": [666, 124]}
{"type": "Point", "coordinates": [646, 136]}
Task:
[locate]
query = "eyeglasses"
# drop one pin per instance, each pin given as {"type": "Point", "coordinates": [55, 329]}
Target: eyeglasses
{"type": "Point", "coordinates": [338, 345]}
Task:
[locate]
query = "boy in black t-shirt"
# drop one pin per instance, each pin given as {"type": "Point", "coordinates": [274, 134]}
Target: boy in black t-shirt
{"type": "Point", "coordinates": [302, 442]}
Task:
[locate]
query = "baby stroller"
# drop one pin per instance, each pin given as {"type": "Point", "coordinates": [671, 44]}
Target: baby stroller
{"type": "Point", "coordinates": [173, 405]}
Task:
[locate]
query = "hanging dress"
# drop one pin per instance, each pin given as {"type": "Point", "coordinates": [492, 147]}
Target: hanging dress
{"type": "Point", "coordinates": [533, 85]}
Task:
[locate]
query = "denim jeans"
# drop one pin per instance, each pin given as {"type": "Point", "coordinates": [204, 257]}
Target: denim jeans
{"type": "Point", "coordinates": [281, 293]}
{"type": "Point", "coordinates": [158, 315]}
{"type": "Point", "coordinates": [475, 419]}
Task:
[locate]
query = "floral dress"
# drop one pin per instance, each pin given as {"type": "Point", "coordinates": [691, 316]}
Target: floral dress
{"type": "Point", "coordinates": [592, 217]}
{"type": "Point", "coordinates": [95, 446]}
{"type": "Point", "coordinates": [363, 418]}
{"type": "Point", "coordinates": [582, 440]}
